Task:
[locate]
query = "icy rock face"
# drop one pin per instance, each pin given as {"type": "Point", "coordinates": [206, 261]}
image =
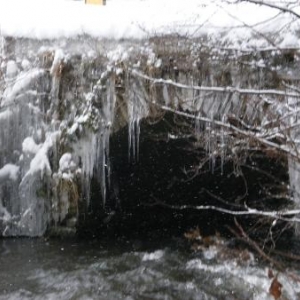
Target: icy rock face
{"type": "Point", "coordinates": [27, 140]}
{"type": "Point", "coordinates": [21, 130]}
{"type": "Point", "coordinates": [59, 108]}
{"type": "Point", "coordinates": [55, 122]}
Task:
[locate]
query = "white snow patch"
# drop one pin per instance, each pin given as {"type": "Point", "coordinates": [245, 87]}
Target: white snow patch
{"type": "Point", "coordinates": [67, 176]}
{"type": "Point", "coordinates": [158, 63]}
{"type": "Point", "coordinates": [11, 69]}
{"type": "Point", "coordinates": [82, 119]}
{"type": "Point", "coordinates": [156, 255]}
{"type": "Point", "coordinates": [29, 146]}
{"type": "Point", "coordinates": [22, 82]}
{"type": "Point", "coordinates": [25, 64]}
{"type": "Point", "coordinates": [118, 55]}
{"type": "Point", "coordinates": [289, 41]}
{"type": "Point", "coordinates": [9, 172]}
{"type": "Point", "coordinates": [73, 129]}
{"type": "Point", "coordinates": [66, 163]}
{"type": "Point", "coordinates": [40, 163]}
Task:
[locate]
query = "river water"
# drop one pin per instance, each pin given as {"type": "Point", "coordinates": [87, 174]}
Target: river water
{"type": "Point", "coordinates": [70, 269]}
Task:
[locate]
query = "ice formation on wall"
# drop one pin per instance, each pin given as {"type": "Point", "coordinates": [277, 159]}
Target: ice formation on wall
{"type": "Point", "coordinates": [39, 179]}
{"type": "Point", "coordinates": [26, 143]}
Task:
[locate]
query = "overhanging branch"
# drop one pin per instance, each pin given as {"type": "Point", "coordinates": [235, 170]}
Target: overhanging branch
{"type": "Point", "coordinates": [245, 133]}
{"type": "Point", "coordinates": [283, 9]}
{"type": "Point", "coordinates": [278, 215]}
{"type": "Point", "coordinates": [217, 89]}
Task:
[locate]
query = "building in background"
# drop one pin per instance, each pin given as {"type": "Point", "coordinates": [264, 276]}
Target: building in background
{"type": "Point", "coordinates": [97, 2]}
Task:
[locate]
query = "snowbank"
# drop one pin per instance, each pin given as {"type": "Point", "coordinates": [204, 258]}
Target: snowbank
{"type": "Point", "coordinates": [136, 19]}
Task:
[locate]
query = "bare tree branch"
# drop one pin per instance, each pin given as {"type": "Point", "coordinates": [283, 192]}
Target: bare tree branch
{"type": "Point", "coordinates": [245, 133]}
{"type": "Point", "coordinates": [281, 8]}
{"type": "Point", "coordinates": [278, 215]}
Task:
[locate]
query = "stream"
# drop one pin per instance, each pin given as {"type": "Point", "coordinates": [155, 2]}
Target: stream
{"type": "Point", "coordinates": [72, 269]}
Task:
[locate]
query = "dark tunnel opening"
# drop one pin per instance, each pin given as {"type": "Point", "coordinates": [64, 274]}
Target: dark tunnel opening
{"type": "Point", "coordinates": [165, 173]}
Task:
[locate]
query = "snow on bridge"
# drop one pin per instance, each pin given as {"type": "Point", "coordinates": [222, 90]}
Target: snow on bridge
{"type": "Point", "coordinates": [234, 25]}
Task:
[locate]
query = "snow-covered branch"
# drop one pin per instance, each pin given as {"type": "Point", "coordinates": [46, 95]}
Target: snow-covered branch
{"type": "Point", "coordinates": [286, 215]}
{"type": "Point", "coordinates": [217, 89]}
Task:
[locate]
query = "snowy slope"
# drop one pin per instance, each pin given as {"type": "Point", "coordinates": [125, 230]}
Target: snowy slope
{"type": "Point", "coordinates": [223, 22]}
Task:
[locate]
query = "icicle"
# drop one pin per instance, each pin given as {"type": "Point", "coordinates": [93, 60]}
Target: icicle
{"type": "Point", "coordinates": [211, 142]}
{"type": "Point", "coordinates": [208, 136]}
{"type": "Point", "coordinates": [108, 119]}
{"type": "Point", "coordinates": [131, 123]}
{"type": "Point", "coordinates": [137, 109]}
{"type": "Point", "coordinates": [197, 115]}
{"type": "Point", "coordinates": [55, 72]}
{"type": "Point", "coordinates": [222, 146]}
{"type": "Point", "coordinates": [102, 163]}
{"type": "Point", "coordinates": [166, 96]}
{"type": "Point", "coordinates": [199, 125]}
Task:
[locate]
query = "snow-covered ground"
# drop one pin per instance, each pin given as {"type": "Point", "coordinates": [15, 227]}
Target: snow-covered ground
{"type": "Point", "coordinates": [143, 18]}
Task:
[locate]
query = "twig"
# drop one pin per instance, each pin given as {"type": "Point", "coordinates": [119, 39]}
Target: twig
{"type": "Point", "coordinates": [255, 246]}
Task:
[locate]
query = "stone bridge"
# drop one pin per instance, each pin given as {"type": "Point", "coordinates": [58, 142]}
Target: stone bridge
{"type": "Point", "coordinates": [65, 104]}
